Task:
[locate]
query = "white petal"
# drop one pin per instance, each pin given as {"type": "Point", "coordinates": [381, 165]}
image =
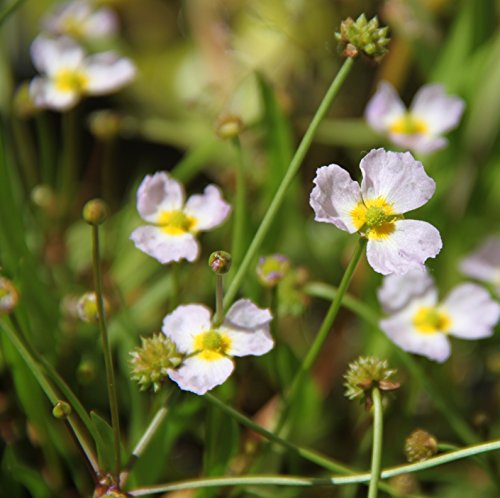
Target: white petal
{"type": "Point", "coordinates": [401, 331]}
{"type": "Point", "coordinates": [418, 142]}
{"type": "Point", "coordinates": [334, 196]}
{"type": "Point", "coordinates": [108, 72]}
{"type": "Point", "coordinates": [397, 177]}
{"type": "Point", "coordinates": [199, 376]}
{"type": "Point", "coordinates": [472, 310]}
{"type": "Point", "coordinates": [103, 22]}
{"type": "Point", "coordinates": [50, 55]}
{"type": "Point", "coordinates": [45, 95]}
{"type": "Point", "coordinates": [484, 263]}
{"type": "Point", "coordinates": [407, 248]}
{"type": "Point", "coordinates": [384, 107]}
{"type": "Point", "coordinates": [398, 290]}
{"type": "Point", "coordinates": [439, 111]}
{"type": "Point", "coordinates": [244, 314]}
{"type": "Point", "coordinates": [157, 193]}
{"type": "Point", "coordinates": [185, 323]}
{"type": "Point", "coordinates": [164, 247]}
{"type": "Point", "coordinates": [209, 209]}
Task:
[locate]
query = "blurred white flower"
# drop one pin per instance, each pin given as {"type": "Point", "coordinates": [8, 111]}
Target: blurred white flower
{"type": "Point", "coordinates": [69, 74]}
{"type": "Point", "coordinates": [172, 235]}
{"type": "Point", "coordinates": [393, 183]}
{"type": "Point", "coordinates": [484, 263]}
{"type": "Point", "coordinates": [80, 19]}
{"type": "Point", "coordinates": [423, 325]}
{"type": "Point", "coordinates": [420, 128]}
{"type": "Point", "coordinates": [209, 349]}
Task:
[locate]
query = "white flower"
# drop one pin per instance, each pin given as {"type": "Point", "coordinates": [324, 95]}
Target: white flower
{"type": "Point", "coordinates": [393, 183]}
{"type": "Point", "coordinates": [209, 349]}
{"type": "Point", "coordinates": [484, 263]}
{"type": "Point", "coordinates": [69, 74]}
{"type": "Point", "coordinates": [424, 324]}
{"type": "Point", "coordinates": [172, 235]}
{"type": "Point", "coordinates": [420, 128]}
{"type": "Point", "coordinates": [80, 19]}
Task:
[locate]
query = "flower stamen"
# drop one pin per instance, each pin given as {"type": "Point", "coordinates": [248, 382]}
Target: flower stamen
{"type": "Point", "coordinates": [211, 345]}
{"type": "Point", "coordinates": [176, 222]}
{"type": "Point", "coordinates": [409, 125]}
{"type": "Point", "coordinates": [430, 320]}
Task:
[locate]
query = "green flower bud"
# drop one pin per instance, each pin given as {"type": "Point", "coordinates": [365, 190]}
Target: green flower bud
{"type": "Point", "coordinates": [150, 362]}
{"type": "Point", "coordinates": [23, 104]}
{"type": "Point", "coordinates": [95, 212]}
{"type": "Point", "coordinates": [86, 372]}
{"type": "Point", "coordinates": [420, 445]}
{"type": "Point", "coordinates": [271, 270]}
{"type": "Point", "coordinates": [220, 262]}
{"type": "Point", "coordinates": [9, 296]}
{"type": "Point", "coordinates": [105, 124]}
{"type": "Point", "coordinates": [363, 36]}
{"type": "Point", "coordinates": [87, 307]}
{"type": "Point", "coordinates": [61, 409]}
{"type": "Point", "coordinates": [366, 373]}
{"type": "Point", "coordinates": [229, 126]}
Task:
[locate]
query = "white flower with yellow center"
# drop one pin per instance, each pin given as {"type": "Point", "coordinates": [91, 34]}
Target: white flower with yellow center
{"type": "Point", "coordinates": [209, 349]}
{"type": "Point", "coordinates": [484, 263]}
{"type": "Point", "coordinates": [393, 183]}
{"type": "Point", "coordinates": [420, 128]}
{"type": "Point", "coordinates": [80, 19]}
{"type": "Point", "coordinates": [69, 74]}
{"type": "Point", "coordinates": [175, 224]}
{"type": "Point", "coordinates": [423, 325]}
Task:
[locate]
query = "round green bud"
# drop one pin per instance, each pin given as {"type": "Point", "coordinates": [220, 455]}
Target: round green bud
{"type": "Point", "coordinates": [220, 262]}
{"type": "Point", "coordinates": [272, 269]}
{"type": "Point", "coordinates": [95, 212]}
{"type": "Point", "coordinates": [105, 124]}
{"type": "Point", "coordinates": [61, 409]}
{"type": "Point", "coordinates": [87, 308]}
{"type": "Point", "coordinates": [229, 126]}
{"type": "Point", "coordinates": [420, 445]}
{"type": "Point", "coordinates": [9, 296]}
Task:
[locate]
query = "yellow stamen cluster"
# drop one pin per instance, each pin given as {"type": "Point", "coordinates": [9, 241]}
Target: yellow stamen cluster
{"type": "Point", "coordinates": [71, 80]}
{"type": "Point", "coordinates": [429, 320]}
{"type": "Point", "coordinates": [409, 125]}
{"type": "Point", "coordinates": [176, 222]}
{"type": "Point", "coordinates": [375, 216]}
{"type": "Point", "coordinates": [212, 345]}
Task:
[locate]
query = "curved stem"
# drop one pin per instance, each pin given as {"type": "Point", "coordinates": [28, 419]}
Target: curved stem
{"type": "Point", "coordinates": [378, 420]}
{"type": "Point", "coordinates": [292, 170]}
{"type": "Point", "coordinates": [108, 360]}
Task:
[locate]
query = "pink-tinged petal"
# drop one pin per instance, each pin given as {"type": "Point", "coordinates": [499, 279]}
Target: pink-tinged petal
{"type": "Point", "coordinates": [484, 263]}
{"type": "Point", "coordinates": [407, 248]}
{"type": "Point", "coordinates": [334, 197]}
{"type": "Point", "coordinates": [418, 142]}
{"type": "Point", "coordinates": [49, 55]}
{"type": "Point", "coordinates": [108, 72]}
{"type": "Point", "coordinates": [398, 290]}
{"type": "Point", "coordinates": [199, 375]}
{"type": "Point", "coordinates": [472, 311]}
{"type": "Point", "coordinates": [102, 22]}
{"type": "Point", "coordinates": [397, 177]}
{"type": "Point", "coordinates": [185, 323]}
{"type": "Point", "coordinates": [384, 107]}
{"type": "Point", "coordinates": [401, 331]}
{"type": "Point", "coordinates": [209, 209]}
{"type": "Point", "coordinates": [439, 111]}
{"type": "Point", "coordinates": [164, 247]}
{"type": "Point", "coordinates": [158, 193]}
{"type": "Point", "coordinates": [45, 95]}
{"type": "Point", "coordinates": [244, 314]}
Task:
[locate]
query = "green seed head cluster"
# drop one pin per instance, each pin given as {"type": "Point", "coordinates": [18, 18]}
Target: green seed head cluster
{"type": "Point", "coordinates": [363, 36]}
{"type": "Point", "coordinates": [150, 362]}
{"type": "Point", "coordinates": [366, 373]}
{"type": "Point", "coordinates": [420, 445]}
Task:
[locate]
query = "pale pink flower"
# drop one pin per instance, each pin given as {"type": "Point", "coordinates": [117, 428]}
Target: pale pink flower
{"type": "Point", "coordinates": [171, 236]}
{"type": "Point", "coordinates": [393, 183]}
{"type": "Point", "coordinates": [420, 128]}
{"type": "Point", "coordinates": [210, 349]}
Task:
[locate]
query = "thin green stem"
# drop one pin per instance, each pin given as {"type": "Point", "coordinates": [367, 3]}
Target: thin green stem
{"type": "Point", "coordinates": [219, 299]}
{"type": "Point", "coordinates": [320, 338]}
{"type": "Point", "coordinates": [239, 207]}
{"type": "Point", "coordinates": [46, 148]}
{"type": "Point", "coordinates": [292, 170]}
{"type": "Point", "coordinates": [10, 9]}
{"type": "Point", "coordinates": [69, 169]}
{"type": "Point", "coordinates": [378, 424]}
{"type": "Point", "coordinates": [108, 360]}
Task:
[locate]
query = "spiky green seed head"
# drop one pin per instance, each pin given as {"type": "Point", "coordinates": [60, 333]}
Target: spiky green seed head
{"type": "Point", "coordinates": [420, 445]}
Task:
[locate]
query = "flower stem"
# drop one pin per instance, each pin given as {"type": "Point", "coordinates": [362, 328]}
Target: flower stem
{"type": "Point", "coordinates": [239, 207]}
{"type": "Point", "coordinates": [108, 360]}
{"type": "Point", "coordinates": [378, 424]}
{"type": "Point", "coordinates": [292, 170]}
{"type": "Point", "coordinates": [318, 342]}
{"type": "Point", "coordinates": [219, 300]}
{"type": "Point", "coordinates": [69, 169]}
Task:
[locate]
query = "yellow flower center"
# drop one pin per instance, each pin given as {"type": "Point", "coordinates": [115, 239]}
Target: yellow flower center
{"type": "Point", "coordinates": [70, 80]}
{"type": "Point", "coordinates": [409, 125]}
{"type": "Point", "coordinates": [375, 216]}
{"type": "Point", "coordinates": [176, 222]}
{"type": "Point", "coordinates": [211, 345]}
{"type": "Point", "coordinates": [429, 320]}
